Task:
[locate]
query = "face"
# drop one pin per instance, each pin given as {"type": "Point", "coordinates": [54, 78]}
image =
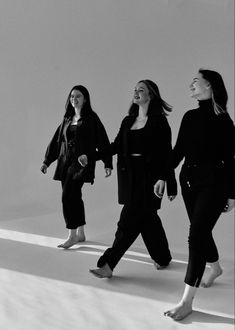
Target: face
{"type": "Point", "coordinates": [200, 88]}
{"type": "Point", "coordinates": [141, 94]}
{"type": "Point", "coordinates": [77, 99]}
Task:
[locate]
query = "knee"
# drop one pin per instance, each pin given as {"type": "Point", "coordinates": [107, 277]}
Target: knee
{"type": "Point", "coordinates": [197, 238]}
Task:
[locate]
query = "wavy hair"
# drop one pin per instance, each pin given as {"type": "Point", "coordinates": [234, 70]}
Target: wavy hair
{"type": "Point", "coordinates": [219, 93]}
{"type": "Point", "coordinates": [156, 105]}
{"type": "Point", "coordinates": [86, 109]}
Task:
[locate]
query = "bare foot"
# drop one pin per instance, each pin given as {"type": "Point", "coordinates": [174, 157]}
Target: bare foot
{"type": "Point", "coordinates": [180, 312]}
{"type": "Point", "coordinates": [72, 241]}
{"type": "Point", "coordinates": [214, 273]}
{"type": "Point", "coordinates": [103, 272]}
{"type": "Point", "coordinates": [159, 267]}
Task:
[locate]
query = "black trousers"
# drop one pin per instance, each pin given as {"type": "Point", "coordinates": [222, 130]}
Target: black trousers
{"type": "Point", "coordinates": [204, 206]}
{"type": "Point", "coordinates": [132, 223]}
{"type": "Point", "coordinates": [72, 203]}
{"type": "Point", "coordinates": [138, 217]}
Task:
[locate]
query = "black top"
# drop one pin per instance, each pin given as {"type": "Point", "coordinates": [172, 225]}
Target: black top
{"type": "Point", "coordinates": [205, 137]}
{"type": "Point", "coordinates": [71, 133]}
{"type": "Point", "coordinates": [136, 141]}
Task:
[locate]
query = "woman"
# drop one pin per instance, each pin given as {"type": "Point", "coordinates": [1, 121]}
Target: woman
{"type": "Point", "coordinates": [206, 143]}
{"type": "Point", "coordinates": [143, 146]}
{"type": "Point", "coordinates": [74, 147]}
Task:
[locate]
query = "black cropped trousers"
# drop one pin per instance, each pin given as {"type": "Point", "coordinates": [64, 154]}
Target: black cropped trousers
{"type": "Point", "coordinates": [204, 206]}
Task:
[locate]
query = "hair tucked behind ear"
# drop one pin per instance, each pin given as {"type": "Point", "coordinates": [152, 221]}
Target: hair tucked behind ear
{"type": "Point", "coordinates": [219, 92]}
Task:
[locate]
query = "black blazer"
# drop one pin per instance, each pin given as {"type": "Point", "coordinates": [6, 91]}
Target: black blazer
{"type": "Point", "coordinates": [91, 136]}
{"type": "Point", "coordinates": [157, 152]}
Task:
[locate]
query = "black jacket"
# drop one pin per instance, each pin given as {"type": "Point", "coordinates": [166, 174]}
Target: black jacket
{"type": "Point", "coordinates": [91, 136]}
{"type": "Point", "coordinates": [157, 150]}
{"type": "Point", "coordinates": [206, 142]}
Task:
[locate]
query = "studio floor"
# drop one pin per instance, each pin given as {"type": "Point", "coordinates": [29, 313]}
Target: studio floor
{"type": "Point", "coordinates": [44, 288]}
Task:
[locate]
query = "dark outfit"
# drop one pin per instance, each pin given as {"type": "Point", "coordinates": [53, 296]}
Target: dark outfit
{"type": "Point", "coordinates": [68, 143]}
{"type": "Point", "coordinates": [206, 142]}
{"type": "Point", "coordinates": [136, 178]}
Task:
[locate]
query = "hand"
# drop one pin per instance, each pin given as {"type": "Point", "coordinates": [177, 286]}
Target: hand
{"type": "Point", "coordinates": [159, 188]}
{"type": "Point", "coordinates": [171, 198]}
{"type": "Point", "coordinates": [43, 168]}
{"type": "Point", "coordinates": [108, 172]}
{"type": "Point", "coordinates": [83, 160]}
{"type": "Point", "coordinates": [229, 205]}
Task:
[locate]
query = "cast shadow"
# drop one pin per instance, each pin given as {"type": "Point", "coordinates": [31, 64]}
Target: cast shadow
{"type": "Point", "coordinates": [202, 317]}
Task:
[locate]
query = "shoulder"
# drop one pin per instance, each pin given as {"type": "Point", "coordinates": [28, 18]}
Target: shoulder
{"type": "Point", "coordinates": [190, 115]}
{"type": "Point", "coordinates": [159, 120]}
{"type": "Point", "coordinates": [126, 120]}
{"type": "Point", "coordinates": [226, 122]}
{"type": "Point", "coordinates": [92, 118]}
{"type": "Point", "coordinates": [225, 117]}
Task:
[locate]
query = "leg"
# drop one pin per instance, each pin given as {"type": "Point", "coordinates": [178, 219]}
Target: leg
{"type": "Point", "coordinates": [204, 210]}
{"type": "Point", "coordinates": [155, 239]}
{"type": "Point", "coordinates": [184, 308]}
{"type": "Point", "coordinates": [126, 234]}
{"type": "Point", "coordinates": [74, 212]}
{"type": "Point", "coordinates": [215, 268]}
{"type": "Point", "coordinates": [215, 271]}
{"type": "Point", "coordinates": [207, 209]}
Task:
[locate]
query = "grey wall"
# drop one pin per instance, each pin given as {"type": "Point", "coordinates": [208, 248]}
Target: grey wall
{"type": "Point", "coordinates": [48, 46]}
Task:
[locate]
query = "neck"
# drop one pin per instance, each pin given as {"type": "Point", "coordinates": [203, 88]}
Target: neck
{"type": "Point", "coordinates": [77, 112]}
{"type": "Point", "coordinates": [143, 110]}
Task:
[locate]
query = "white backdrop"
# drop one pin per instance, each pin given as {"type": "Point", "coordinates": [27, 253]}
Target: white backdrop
{"type": "Point", "coordinates": [48, 46]}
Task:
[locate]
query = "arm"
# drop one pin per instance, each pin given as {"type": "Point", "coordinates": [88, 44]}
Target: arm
{"type": "Point", "coordinates": [167, 173]}
{"type": "Point", "coordinates": [103, 146]}
{"type": "Point", "coordinates": [178, 152]}
{"type": "Point", "coordinates": [52, 151]}
{"type": "Point", "coordinates": [174, 158]}
{"type": "Point", "coordinates": [228, 132]}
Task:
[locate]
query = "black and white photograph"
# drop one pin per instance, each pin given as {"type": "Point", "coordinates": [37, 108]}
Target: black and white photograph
{"type": "Point", "coordinates": [117, 172]}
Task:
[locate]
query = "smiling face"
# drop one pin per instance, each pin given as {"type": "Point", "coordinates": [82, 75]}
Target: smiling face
{"type": "Point", "coordinates": [77, 99]}
{"type": "Point", "coordinates": [141, 94]}
{"type": "Point", "coordinates": [200, 88]}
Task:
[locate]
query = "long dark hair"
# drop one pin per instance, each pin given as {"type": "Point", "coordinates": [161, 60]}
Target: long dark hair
{"type": "Point", "coordinates": [156, 105]}
{"type": "Point", "coordinates": [219, 93]}
{"type": "Point", "coordinates": [86, 109]}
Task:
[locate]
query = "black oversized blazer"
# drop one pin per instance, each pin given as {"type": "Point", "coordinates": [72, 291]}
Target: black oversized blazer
{"type": "Point", "coordinates": [91, 136]}
{"type": "Point", "coordinates": [157, 152]}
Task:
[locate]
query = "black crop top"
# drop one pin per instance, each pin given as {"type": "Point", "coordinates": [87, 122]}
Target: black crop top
{"type": "Point", "coordinates": [136, 141]}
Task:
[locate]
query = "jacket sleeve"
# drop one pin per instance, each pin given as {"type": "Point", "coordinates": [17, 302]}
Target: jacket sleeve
{"type": "Point", "coordinates": [179, 151]}
{"type": "Point", "coordinates": [52, 151]}
{"type": "Point", "coordinates": [103, 145]}
{"type": "Point", "coordinates": [117, 145]}
{"type": "Point", "coordinates": [167, 173]}
{"type": "Point", "coordinates": [228, 133]}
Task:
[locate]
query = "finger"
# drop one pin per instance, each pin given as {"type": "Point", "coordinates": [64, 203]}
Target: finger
{"type": "Point", "coordinates": [159, 195]}
{"type": "Point", "coordinates": [229, 208]}
{"type": "Point", "coordinates": [226, 208]}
